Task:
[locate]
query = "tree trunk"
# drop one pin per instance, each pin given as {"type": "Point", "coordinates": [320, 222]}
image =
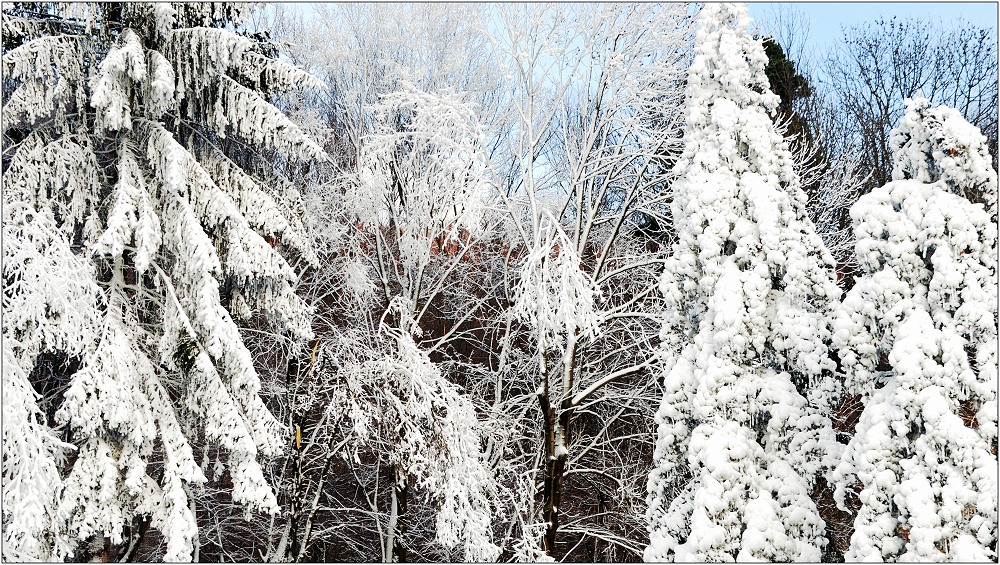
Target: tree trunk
{"type": "Point", "coordinates": [395, 548]}
{"type": "Point", "coordinates": [132, 553]}
{"type": "Point", "coordinates": [293, 547]}
{"type": "Point", "coordinates": [556, 454]}
{"type": "Point", "coordinates": [311, 514]}
{"type": "Point", "coordinates": [294, 509]}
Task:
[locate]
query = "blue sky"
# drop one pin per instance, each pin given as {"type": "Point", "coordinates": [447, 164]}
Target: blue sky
{"type": "Point", "coordinates": [827, 18]}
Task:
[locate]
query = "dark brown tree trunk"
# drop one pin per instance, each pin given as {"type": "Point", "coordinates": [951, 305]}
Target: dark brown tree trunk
{"type": "Point", "coordinates": [556, 430]}
{"type": "Point", "coordinates": [132, 553]}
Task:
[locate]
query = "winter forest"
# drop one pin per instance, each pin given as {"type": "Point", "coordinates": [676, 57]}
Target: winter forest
{"type": "Point", "coordinates": [496, 282]}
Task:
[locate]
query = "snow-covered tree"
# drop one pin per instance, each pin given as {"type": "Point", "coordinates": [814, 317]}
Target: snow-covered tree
{"type": "Point", "coordinates": [398, 215]}
{"type": "Point", "coordinates": [399, 404]}
{"type": "Point", "coordinates": [742, 437]}
{"type": "Point", "coordinates": [422, 177]}
{"type": "Point", "coordinates": [136, 239]}
{"type": "Point", "coordinates": [917, 337]}
{"type": "Point", "coordinates": [595, 105]}
{"type": "Point", "coordinates": [419, 188]}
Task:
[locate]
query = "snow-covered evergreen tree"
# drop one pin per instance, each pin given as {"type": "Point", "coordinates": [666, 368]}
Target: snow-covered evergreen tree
{"type": "Point", "coordinates": [742, 437]}
{"type": "Point", "coordinates": [134, 242]}
{"type": "Point", "coordinates": [918, 339]}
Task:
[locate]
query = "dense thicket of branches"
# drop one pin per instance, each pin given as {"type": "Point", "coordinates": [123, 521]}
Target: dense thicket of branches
{"type": "Point", "coordinates": [436, 282]}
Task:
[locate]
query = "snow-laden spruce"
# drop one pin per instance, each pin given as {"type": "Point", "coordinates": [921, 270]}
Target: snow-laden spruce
{"type": "Point", "coordinates": [133, 244]}
{"type": "Point", "coordinates": [918, 339]}
{"type": "Point", "coordinates": [742, 433]}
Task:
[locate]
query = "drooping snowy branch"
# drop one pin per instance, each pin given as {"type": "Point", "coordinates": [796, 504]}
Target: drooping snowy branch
{"type": "Point", "coordinates": [59, 179]}
{"type": "Point", "coordinates": [554, 295]}
{"type": "Point", "coordinates": [263, 275]}
{"type": "Point", "coordinates": [245, 113]}
{"type": "Point", "coordinates": [430, 430]}
{"type": "Point", "coordinates": [51, 79]}
{"type": "Point", "coordinates": [109, 401]}
{"type": "Point", "coordinates": [121, 71]}
{"type": "Point", "coordinates": [32, 461]}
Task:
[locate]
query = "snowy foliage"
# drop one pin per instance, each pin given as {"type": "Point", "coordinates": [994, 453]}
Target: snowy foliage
{"type": "Point", "coordinates": [41, 314]}
{"type": "Point", "coordinates": [554, 296]}
{"type": "Point", "coordinates": [49, 70]}
{"type": "Point", "coordinates": [32, 462]}
{"type": "Point", "coordinates": [402, 405]}
{"type": "Point", "coordinates": [742, 433]}
{"type": "Point", "coordinates": [364, 51]}
{"type": "Point", "coordinates": [938, 145]}
{"type": "Point", "coordinates": [132, 239]}
{"type": "Point", "coordinates": [918, 339]}
{"type": "Point", "coordinates": [426, 304]}
{"type": "Point", "coordinates": [423, 169]}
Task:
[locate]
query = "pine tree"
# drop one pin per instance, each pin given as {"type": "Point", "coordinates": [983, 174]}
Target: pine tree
{"type": "Point", "coordinates": [137, 234]}
{"type": "Point", "coordinates": [918, 341]}
{"type": "Point", "coordinates": [742, 437]}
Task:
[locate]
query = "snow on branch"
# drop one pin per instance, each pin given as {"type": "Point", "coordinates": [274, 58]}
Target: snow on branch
{"type": "Point", "coordinates": [59, 178]}
{"type": "Point", "coordinates": [447, 460]}
{"type": "Point", "coordinates": [263, 278]}
{"type": "Point", "coordinates": [267, 73]}
{"type": "Point", "coordinates": [210, 13]}
{"type": "Point", "coordinates": [122, 69]}
{"type": "Point", "coordinates": [201, 54]}
{"type": "Point", "coordinates": [113, 402]}
{"type": "Point", "coordinates": [42, 312]}
{"type": "Point", "coordinates": [245, 254]}
{"type": "Point", "coordinates": [17, 28]}
{"type": "Point", "coordinates": [132, 216]}
{"type": "Point", "coordinates": [256, 204]}
{"type": "Point", "coordinates": [198, 293]}
{"type": "Point", "coordinates": [32, 458]}
{"type": "Point", "coordinates": [50, 73]}
{"type": "Point", "coordinates": [243, 112]}
{"type": "Point", "coordinates": [193, 195]}
{"type": "Point", "coordinates": [934, 144]}
{"type": "Point", "coordinates": [423, 168]}
{"type": "Point", "coordinates": [554, 295]}
{"type": "Point", "coordinates": [224, 421]}
{"type": "Point", "coordinates": [160, 84]}
{"type": "Point", "coordinates": [41, 58]}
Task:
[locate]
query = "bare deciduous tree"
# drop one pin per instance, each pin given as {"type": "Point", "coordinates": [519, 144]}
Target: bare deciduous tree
{"type": "Point", "coordinates": [596, 98]}
{"type": "Point", "coordinates": [876, 68]}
